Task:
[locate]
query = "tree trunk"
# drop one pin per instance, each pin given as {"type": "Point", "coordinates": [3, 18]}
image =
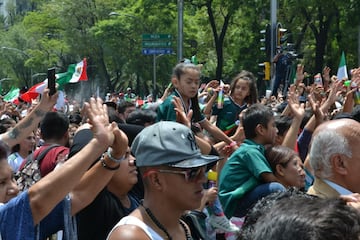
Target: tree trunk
{"type": "Point", "coordinates": [218, 39]}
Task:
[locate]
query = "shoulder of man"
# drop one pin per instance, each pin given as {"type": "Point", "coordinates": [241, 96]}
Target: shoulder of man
{"type": "Point", "coordinates": [52, 158]}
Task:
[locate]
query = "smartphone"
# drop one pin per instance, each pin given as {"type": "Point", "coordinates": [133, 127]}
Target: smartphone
{"type": "Point", "coordinates": [51, 80]}
{"type": "Point", "coordinates": [357, 97]}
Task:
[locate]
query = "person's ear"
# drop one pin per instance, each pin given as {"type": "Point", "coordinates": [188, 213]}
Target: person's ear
{"type": "Point", "coordinates": [155, 180]}
{"type": "Point", "coordinates": [260, 130]}
{"type": "Point", "coordinates": [339, 164]}
{"type": "Point", "coordinates": [280, 170]}
{"type": "Point", "coordinates": [175, 82]}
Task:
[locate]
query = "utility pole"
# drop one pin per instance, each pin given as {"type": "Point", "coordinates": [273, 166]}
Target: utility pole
{"type": "Point", "coordinates": [273, 40]}
{"type": "Point", "coordinates": [180, 30]}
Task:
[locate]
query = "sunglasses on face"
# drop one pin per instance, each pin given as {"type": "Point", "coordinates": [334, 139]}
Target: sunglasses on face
{"type": "Point", "coordinates": [191, 175]}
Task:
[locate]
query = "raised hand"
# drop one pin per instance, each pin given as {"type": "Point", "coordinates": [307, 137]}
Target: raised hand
{"type": "Point", "coordinates": [299, 74]}
{"type": "Point", "coordinates": [355, 76]}
{"type": "Point", "coordinates": [181, 116]}
{"type": "Point", "coordinates": [335, 91]}
{"type": "Point", "coordinates": [296, 108]}
{"type": "Point", "coordinates": [326, 74]}
{"type": "Point", "coordinates": [47, 102]}
{"type": "Point", "coordinates": [120, 144]}
{"type": "Point", "coordinates": [99, 121]}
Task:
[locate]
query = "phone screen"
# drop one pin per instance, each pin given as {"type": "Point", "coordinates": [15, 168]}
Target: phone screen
{"type": "Point", "coordinates": [51, 80]}
{"type": "Point", "coordinates": [357, 97]}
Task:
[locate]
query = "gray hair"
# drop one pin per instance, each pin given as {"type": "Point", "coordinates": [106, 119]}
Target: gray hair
{"type": "Point", "coordinates": [324, 145]}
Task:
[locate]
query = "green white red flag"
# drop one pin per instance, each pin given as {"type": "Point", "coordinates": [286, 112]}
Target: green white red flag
{"type": "Point", "coordinates": [74, 74]}
{"type": "Point", "coordinates": [12, 95]}
{"type": "Point", "coordinates": [342, 70]}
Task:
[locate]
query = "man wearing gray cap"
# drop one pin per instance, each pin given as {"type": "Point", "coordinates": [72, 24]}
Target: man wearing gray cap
{"type": "Point", "coordinates": [173, 172]}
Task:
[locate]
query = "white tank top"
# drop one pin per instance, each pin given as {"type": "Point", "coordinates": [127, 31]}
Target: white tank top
{"type": "Point", "coordinates": [130, 220]}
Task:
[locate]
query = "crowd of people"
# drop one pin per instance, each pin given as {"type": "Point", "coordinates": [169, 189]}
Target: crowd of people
{"type": "Point", "coordinates": [204, 161]}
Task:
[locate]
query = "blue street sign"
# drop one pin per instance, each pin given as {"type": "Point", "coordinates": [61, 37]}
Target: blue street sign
{"type": "Point", "coordinates": [156, 36]}
{"type": "Point", "coordinates": [156, 44]}
{"type": "Point", "coordinates": [151, 51]}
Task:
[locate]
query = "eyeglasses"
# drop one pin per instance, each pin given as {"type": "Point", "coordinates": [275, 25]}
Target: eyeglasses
{"type": "Point", "coordinates": [191, 175]}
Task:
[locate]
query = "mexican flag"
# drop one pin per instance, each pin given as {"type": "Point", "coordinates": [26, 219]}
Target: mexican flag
{"type": "Point", "coordinates": [12, 94]}
{"type": "Point", "coordinates": [342, 70]}
{"type": "Point", "coordinates": [74, 74]}
{"type": "Point", "coordinates": [34, 91]}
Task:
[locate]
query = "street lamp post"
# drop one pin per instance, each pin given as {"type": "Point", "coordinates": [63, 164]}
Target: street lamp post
{"type": "Point", "coordinates": [36, 75]}
{"type": "Point", "coordinates": [123, 14]}
{"type": "Point", "coordinates": [16, 50]}
{"type": "Point", "coordinates": [136, 18]}
{"type": "Point", "coordinates": [180, 29]}
{"type": "Point", "coordinates": [154, 74]}
{"type": "Point", "coordinates": [21, 52]}
{"type": "Point", "coordinates": [2, 80]}
{"type": "Point", "coordinates": [273, 19]}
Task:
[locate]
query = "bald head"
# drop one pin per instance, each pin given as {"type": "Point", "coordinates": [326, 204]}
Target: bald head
{"type": "Point", "coordinates": [349, 128]}
{"type": "Point", "coordinates": [335, 140]}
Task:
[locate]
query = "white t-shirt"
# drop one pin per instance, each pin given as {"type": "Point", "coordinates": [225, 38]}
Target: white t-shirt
{"type": "Point", "coordinates": [130, 220]}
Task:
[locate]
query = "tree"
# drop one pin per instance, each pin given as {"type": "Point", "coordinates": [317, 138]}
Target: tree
{"type": "Point", "coordinates": [219, 15]}
{"type": "Point", "coordinates": [224, 34]}
{"type": "Point", "coordinates": [330, 28]}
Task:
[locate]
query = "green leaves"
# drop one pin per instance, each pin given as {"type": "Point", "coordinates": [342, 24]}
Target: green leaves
{"type": "Point", "coordinates": [222, 33]}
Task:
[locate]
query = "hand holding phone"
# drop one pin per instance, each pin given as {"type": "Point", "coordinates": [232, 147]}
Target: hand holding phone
{"type": "Point", "coordinates": [51, 81]}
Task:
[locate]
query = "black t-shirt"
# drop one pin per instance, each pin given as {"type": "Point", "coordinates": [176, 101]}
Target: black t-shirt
{"type": "Point", "coordinates": [97, 219]}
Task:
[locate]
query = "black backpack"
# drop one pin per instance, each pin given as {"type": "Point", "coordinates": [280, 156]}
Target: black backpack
{"type": "Point", "coordinates": [196, 222]}
{"type": "Point", "coordinates": [30, 172]}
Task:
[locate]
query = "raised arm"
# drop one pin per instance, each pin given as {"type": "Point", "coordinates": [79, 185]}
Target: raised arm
{"type": "Point", "coordinates": [213, 84]}
{"type": "Point", "coordinates": [300, 75]}
{"type": "Point", "coordinates": [31, 121]}
{"type": "Point", "coordinates": [334, 91]}
{"type": "Point", "coordinates": [51, 189]}
{"type": "Point", "coordinates": [326, 77]}
{"type": "Point", "coordinates": [355, 85]}
{"type": "Point", "coordinates": [298, 113]}
{"type": "Point", "coordinates": [96, 178]}
{"type": "Point", "coordinates": [182, 118]}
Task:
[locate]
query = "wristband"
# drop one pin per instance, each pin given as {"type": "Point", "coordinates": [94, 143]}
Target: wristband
{"type": "Point", "coordinates": [233, 143]}
{"type": "Point", "coordinates": [103, 164]}
{"type": "Point", "coordinates": [114, 159]}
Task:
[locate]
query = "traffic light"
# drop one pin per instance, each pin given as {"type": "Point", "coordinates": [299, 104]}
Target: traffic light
{"type": "Point", "coordinates": [284, 38]}
{"type": "Point", "coordinates": [266, 40]}
{"type": "Point", "coordinates": [265, 71]}
{"type": "Point", "coordinates": [284, 41]}
{"type": "Point", "coordinates": [281, 36]}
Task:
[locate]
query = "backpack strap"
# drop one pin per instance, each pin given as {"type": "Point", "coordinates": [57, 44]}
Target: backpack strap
{"type": "Point", "coordinates": [41, 155]}
{"type": "Point", "coordinates": [45, 151]}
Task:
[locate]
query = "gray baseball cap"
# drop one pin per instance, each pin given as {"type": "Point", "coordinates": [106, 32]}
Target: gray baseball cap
{"type": "Point", "coordinates": [168, 143]}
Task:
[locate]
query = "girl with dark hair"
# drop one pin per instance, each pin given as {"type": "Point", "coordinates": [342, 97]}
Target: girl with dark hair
{"type": "Point", "coordinates": [243, 93]}
{"type": "Point", "coordinates": [186, 81]}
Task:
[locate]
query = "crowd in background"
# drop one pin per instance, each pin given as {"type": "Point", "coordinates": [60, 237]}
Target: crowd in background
{"type": "Point", "coordinates": [270, 147]}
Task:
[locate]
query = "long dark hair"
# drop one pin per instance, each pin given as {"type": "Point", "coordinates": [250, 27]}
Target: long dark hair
{"type": "Point", "coordinates": [250, 79]}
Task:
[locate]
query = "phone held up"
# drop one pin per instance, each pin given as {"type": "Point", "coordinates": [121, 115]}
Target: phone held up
{"type": "Point", "coordinates": [51, 81]}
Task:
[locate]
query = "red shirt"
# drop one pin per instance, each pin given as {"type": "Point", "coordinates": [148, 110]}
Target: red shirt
{"type": "Point", "coordinates": [55, 155]}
